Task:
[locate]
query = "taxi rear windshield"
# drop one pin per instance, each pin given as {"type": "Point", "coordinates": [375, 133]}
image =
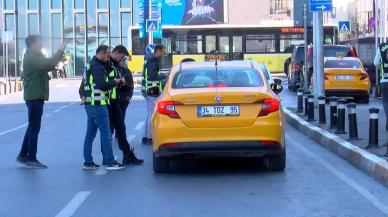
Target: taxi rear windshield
{"type": "Point", "coordinates": [222, 77]}
{"type": "Point", "coordinates": [343, 64]}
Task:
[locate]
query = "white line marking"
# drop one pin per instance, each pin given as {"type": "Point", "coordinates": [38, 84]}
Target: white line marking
{"type": "Point", "coordinates": [139, 125]}
{"type": "Point", "coordinates": [60, 108]}
{"type": "Point", "coordinates": [72, 103]}
{"type": "Point", "coordinates": [74, 204]}
{"type": "Point", "coordinates": [101, 171]}
{"type": "Point", "coordinates": [131, 138]}
{"type": "Point", "coordinates": [360, 189]}
{"type": "Point", "coordinates": [13, 129]}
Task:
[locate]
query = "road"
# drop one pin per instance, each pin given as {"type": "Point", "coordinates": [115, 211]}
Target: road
{"type": "Point", "coordinates": [315, 183]}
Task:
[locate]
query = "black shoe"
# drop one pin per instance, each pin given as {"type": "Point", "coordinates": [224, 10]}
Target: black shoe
{"type": "Point", "coordinates": [131, 158]}
{"type": "Point", "coordinates": [90, 166]}
{"type": "Point", "coordinates": [35, 164]}
{"type": "Point", "coordinates": [149, 141]}
{"type": "Point", "coordinates": [114, 166]}
{"type": "Point", "coordinates": [144, 140]}
{"type": "Point", "coordinates": [22, 160]}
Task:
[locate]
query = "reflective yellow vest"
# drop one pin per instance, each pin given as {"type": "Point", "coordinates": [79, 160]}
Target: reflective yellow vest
{"type": "Point", "coordinates": [93, 96]}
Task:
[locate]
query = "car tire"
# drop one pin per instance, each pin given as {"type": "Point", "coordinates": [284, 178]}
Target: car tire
{"type": "Point", "coordinates": [291, 87]}
{"type": "Point", "coordinates": [277, 162]}
{"type": "Point", "coordinates": [364, 99]}
{"type": "Point", "coordinates": [161, 165]}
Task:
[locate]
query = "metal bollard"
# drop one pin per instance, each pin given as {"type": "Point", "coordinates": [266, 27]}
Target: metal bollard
{"type": "Point", "coordinates": [322, 110]}
{"type": "Point", "coordinates": [352, 117]}
{"type": "Point", "coordinates": [300, 100]}
{"type": "Point", "coordinates": [310, 109]}
{"type": "Point", "coordinates": [341, 117]}
{"type": "Point", "coordinates": [306, 93]}
{"type": "Point", "coordinates": [373, 128]}
{"type": "Point", "coordinates": [333, 112]}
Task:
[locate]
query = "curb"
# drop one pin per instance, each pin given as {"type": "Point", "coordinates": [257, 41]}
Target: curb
{"type": "Point", "coordinates": [370, 164]}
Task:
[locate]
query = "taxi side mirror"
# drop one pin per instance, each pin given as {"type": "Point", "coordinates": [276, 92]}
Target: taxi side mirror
{"type": "Point", "coordinates": [276, 88]}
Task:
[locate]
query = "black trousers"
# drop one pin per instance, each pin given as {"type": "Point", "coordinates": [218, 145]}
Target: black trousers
{"type": "Point", "coordinates": [117, 125]}
{"type": "Point", "coordinates": [384, 93]}
{"type": "Point", "coordinates": [123, 107]}
{"type": "Point", "coordinates": [30, 141]}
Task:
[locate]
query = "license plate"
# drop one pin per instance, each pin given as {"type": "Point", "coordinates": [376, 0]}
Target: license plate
{"type": "Point", "coordinates": [215, 111]}
{"type": "Point", "coordinates": [344, 77]}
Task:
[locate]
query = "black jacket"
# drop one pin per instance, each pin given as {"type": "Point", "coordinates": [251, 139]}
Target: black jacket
{"type": "Point", "coordinates": [124, 90]}
{"type": "Point", "coordinates": [153, 67]}
{"type": "Point", "coordinates": [99, 70]}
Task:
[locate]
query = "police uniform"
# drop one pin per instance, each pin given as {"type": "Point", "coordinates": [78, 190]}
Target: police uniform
{"type": "Point", "coordinates": [381, 60]}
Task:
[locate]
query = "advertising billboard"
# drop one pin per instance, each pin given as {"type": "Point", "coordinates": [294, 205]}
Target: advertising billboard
{"type": "Point", "coordinates": [192, 12]}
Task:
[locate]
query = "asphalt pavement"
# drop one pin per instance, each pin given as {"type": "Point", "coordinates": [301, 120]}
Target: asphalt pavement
{"type": "Point", "coordinates": [315, 183]}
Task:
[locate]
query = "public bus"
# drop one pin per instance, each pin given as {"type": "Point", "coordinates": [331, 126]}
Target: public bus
{"type": "Point", "coordinates": [264, 44]}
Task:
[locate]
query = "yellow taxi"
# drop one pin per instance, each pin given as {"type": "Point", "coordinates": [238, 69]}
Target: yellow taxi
{"type": "Point", "coordinates": [223, 109]}
{"type": "Point", "coordinates": [346, 77]}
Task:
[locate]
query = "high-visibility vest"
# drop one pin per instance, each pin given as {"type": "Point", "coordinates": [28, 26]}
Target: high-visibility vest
{"type": "Point", "coordinates": [146, 84]}
{"type": "Point", "coordinates": [384, 62]}
{"type": "Point", "coordinates": [93, 96]}
{"type": "Point", "coordinates": [112, 75]}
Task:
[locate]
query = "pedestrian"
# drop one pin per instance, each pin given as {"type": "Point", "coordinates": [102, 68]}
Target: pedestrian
{"type": "Point", "coordinates": [117, 120]}
{"type": "Point", "coordinates": [125, 91]}
{"type": "Point", "coordinates": [94, 91]}
{"type": "Point", "coordinates": [36, 90]}
{"type": "Point", "coordinates": [381, 61]}
{"type": "Point", "coordinates": [152, 87]}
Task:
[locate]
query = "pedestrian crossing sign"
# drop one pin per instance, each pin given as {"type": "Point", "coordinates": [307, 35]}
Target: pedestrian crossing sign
{"type": "Point", "coordinates": [344, 27]}
{"type": "Point", "coordinates": [152, 25]}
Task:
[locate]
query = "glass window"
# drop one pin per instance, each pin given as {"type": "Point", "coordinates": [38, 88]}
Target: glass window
{"type": "Point", "coordinates": [228, 76]}
{"type": "Point", "coordinates": [138, 44]}
{"type": "Point", "coordinates": [92, 5]}
{"type": "Point", "coordinates": [45, 17]}
{"type": "Point", "coordinates": [103, 41]}
{"type": "Point", "coordinates": [56, 4]}
{"type": "Point", "coordinates": [102, 4]}
{"type": "Point", "coordinates": [237, 44]}
{"type": "Point", "coordinates": [22, 33]}
{"type": "Point", "coordinates": [33, 4]}
{"type": "Point", "coordinates": [9, 4]}
{"type": "Point", "coordinates": [188, 44]}
{"type": "Point", "coordinates": [79, 4]}
{"type": "Point", "coordinates": [9, 22]}
{"type": "Point", "coordinates": [103, 22]}
{"type": "Point", "coordinates": [114, 18]}
{"type": "Point", "coordinates": [224, 44]}
{"type": "Point", "coordinates": [125, 23]}
{"type": "Point", "coordinates": [55, 20]}
{"type": "Point", "coordinates": [68, 13]}
{"type": "Point", "coordinates": [33, 27]}
{"type": "Point", "coordinates": [126, 3]}
{"type": "Point", "coordinates": [260, 43]}
{"type": "Point", "coordinates": [342, 64]}
{"type": "Point", "coordinates": [114, 42]}
{"type": "Point", "coordinates": [210, 43]}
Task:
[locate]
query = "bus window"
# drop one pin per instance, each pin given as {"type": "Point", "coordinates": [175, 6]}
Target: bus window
{"type": "Point", "coordinates": [191, 44]}
{"type": "Point", "coordinates": [224, 44]}
{"type": "Point", "coordinates": [288, 41]}
{"type": "Point", "coordinates": [260, 43]}
{"type": "Point", "coordinates": [210, 43]}
{"type": "Point", "coordinates": [237, 48]}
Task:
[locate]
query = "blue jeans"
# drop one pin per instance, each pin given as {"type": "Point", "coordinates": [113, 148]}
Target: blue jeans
{"type": "Point", "coordinates": [30, 141]}
{"type": "Point", "coordinates": [98, 118]}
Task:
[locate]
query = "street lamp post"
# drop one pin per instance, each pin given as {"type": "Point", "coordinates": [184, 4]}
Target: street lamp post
{"type": "Point", "coordinates": [305, 83]}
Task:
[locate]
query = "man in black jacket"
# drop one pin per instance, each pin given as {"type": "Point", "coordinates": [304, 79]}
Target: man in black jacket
{"type": "Point", "coordinates": [125, 91]}
{"type": "Point", "coordinates": [116, 114]}
{"type": "Point", "coordinates": [94, 91]}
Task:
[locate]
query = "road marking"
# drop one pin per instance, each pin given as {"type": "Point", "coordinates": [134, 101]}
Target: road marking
{"type": "Point", "coordinates": [60, 108]}
{"type": "Point", "coordinates": [139, 125]}
{"type": "Point", "coordinates": [360, 189]}
{"type": "Point", "coordinates": [74, 204]}
{"type": "Point", "coordinates": [13, 129]}
{"type": "Point", "coordinates": [61, 85]}
{"type": "Point", "coordinates": [72, 103]}
{"type": "Point", "coordinates": [131, 138]}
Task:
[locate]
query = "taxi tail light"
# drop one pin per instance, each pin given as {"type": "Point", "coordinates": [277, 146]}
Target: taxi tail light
{"type": "Point", "coordinates": [326, 77]}
{"type": "Point", "coordinates": [168, 108]}
{"type": "Point", "coordinates": [363, 76]}
{"type": "Point", "coordinates": [269, 105]}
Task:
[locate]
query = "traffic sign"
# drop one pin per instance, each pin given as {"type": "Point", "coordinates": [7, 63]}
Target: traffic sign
{"type": "Point", "coordinates": [152, 25]}
{"type": "Point", "coordinates": [321, 5]}
{"type": "Point", "coordinates": [344, 27]}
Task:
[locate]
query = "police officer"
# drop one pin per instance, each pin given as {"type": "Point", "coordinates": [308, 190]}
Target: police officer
{"type": "Point", "coordinates": [115, 112]}
{"type": "Point", "coordinates": [152, 86]}
{"type": "Point", "coordinates": [125, 91]}
{"type": "Point", "coordinates": [94, 92]}
{"type": "Point", "coordinates": [381, 60]}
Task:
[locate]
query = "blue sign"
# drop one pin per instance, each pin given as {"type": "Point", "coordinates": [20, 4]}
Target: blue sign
{"type": "Point", "coordinates": [144, 15]}
{"type": "Point", "coordinates": [152, 25]}
{"type": "Point", "coordinates": [344, 27]}
{"type": "Point", "coordinates": [321, 5]}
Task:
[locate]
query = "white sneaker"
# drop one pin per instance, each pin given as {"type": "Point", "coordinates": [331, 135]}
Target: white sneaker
{"type": "Point", "coordinates": [114, 166]}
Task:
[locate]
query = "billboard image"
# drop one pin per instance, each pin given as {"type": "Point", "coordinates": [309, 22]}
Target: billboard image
{"type": "Point", "coordinates": [192, 12]}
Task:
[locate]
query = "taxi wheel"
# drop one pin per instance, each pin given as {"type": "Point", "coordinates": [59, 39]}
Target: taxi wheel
{"type": "Point", "coordinates": [364, 99]}
{"type": "Point", "coordinates": [161, 165]}
{"type": "Point", "coordinates": [277, 162]}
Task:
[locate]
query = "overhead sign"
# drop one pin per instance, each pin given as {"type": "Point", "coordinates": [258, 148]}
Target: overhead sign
{"type": "Point", "coordinates": [321, 5]}
{"type": "Point", "coordinates": [144, 15]}
{"type": "Point", "coordinates": [152, 25]}
{"type": "Point", "coordinates": [193, 12]}
{"type": "Point", "coordinates": [344, 27]}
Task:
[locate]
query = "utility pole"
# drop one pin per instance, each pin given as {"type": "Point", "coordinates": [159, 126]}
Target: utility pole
{"type": "Point", "coordinates": [377, 69]}
{"type": "Point", "coordinates": [305, 74]}
{"type": "Point", "coordinates": [150, 33]}
{"type": "Point", "coordinates": [318, 73]}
